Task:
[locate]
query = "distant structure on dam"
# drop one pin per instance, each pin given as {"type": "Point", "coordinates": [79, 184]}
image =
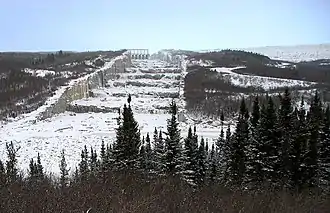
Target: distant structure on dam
{"type": "Point", "coordinates": [139, 53]}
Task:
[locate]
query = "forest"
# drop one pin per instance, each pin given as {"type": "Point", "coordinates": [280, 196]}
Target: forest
{"type": "Point", "coordinates": [276, 160]}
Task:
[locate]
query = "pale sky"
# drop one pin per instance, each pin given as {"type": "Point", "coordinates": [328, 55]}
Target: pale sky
{"type": "Point", "coordinates": [80, 25]}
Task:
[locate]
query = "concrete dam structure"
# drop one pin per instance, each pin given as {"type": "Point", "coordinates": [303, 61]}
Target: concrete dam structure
{"type": "Point", "coordinates": [142, 54]}
{"type": "Point", "coordinates": [81, 88]}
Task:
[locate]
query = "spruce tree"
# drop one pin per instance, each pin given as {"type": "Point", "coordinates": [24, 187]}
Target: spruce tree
{"type": "Point", "coordinates": [324, 150]}
{"type": "Point", "coordinates": [103, 161]}
{"type": "Point", "coordinates": [173, 147]}
{"type": "Point", "coordinates": [40, 169]}
{"type": "Point", "coordinates": [143, 158]}
{"type": "Point", "coordinates": [64, 172]}
{"type": "Point", "coordinates": [159, 153]}
{"type": "Point", "coordinates": [286, 132]}
{"type": "Point", "coordinates": [267, 160]}
{"type": "Point", "coordinates": [213, 165]}
{"type": "Point", "coordinates": [11, 163]}
{"type": "Point", "coordinates": [253, 165]}
{"type": "Point", "coordinates": [83, 166]}
{"type": "Point", "coordinates": [128, 141]}
{"type": "Point", "coordinates": [299, 148]}
{"type": "Point", "coordinates": [190, 153]}
{"type": "Point", "coordinates": [311, 157]}
{"type": "Point", "coordinates": [93, 163]}
{"type": "Point", "coordinates": [149, 154]}
{"type": "Point", "coordinates": [2, 175]}
{"type": "Point", "coordinates": [237, 161]}
{"type": "Point", "coordinates": [201, 163]}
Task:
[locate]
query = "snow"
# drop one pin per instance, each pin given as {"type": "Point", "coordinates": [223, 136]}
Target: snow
{"type": "Point", "coordinates": [72, 131]}
{"type": "Point", "coordinates": [39, 73]}
{"type": "Point", "coordinates": [265, 83]}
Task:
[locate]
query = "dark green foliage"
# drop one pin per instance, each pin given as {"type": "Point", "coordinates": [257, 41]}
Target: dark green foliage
{"type": "Point", "coordinates": [64, 172]}
{"type": "Point", "coordinates": [173, 147]}
{"type": "Point", "coordinates": [158, 153]}
{"type": "Point", "coordinates": [286, 122]}
{"type": "Point", "coordinates": [128, 142]}
{"type": "Point", "coordinates": [190, 155]}
{"type": "Point", "coordinates": [201, 163]}
{"type": "Point", "coordinates": [238, 146]}
{"type": "Point", "coordinates": [83, 166]}
{"type": "Point", "coordinates": [11, 163]}
{"type": "Point", "coordinates": [314, 118]}
{"type": "Point", "coordinates": [213, 165]}
{"type": "Point", "coordinates": [324, 150]}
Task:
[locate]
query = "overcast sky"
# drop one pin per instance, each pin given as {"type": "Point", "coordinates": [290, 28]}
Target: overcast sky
{"type": "Point", "coordinates": [156, 24]}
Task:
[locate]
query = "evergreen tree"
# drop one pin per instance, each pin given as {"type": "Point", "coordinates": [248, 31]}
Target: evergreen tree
{"type": "Point", "coordinates": [267, 160]}
{"type": "Point", "coordinates": [201, 163]}
{"type": "Point", "coordinates": [64, 172]}
{"type": "Point", "coordinates": [149, 154]}
{"type": "Point", "coordinates": [159, 153]}
{"type": "Point", "coordinates": [32, 170]}
{"type": "Point", "coordinates": [93, 163]}
{"type": "Point", "coordinates": [2, 175]}
{"type": "Point", "coordinates": [213, 164]}
{"type": "Point", "coordinates": [173, 148]}
{"type": "Point", "coordinates": [311, 157]}
{"type": "Point", "coordinates": [143, 157]}
{"type": "Point", "coordinates": [190, 153]}
{"type": "Point", "coordinates": [324, 150]}
{"type": "Point", "coordinates": [83, 166]}
{"type": "Point", "coordinates": [237, 161]}
{"type": "Point", "coordinates": [128, 141]}
{"type": "Point", "coordinates": [11, 163]}
{"type": "Point", "coordinates": [299, 148]}
{"type": "Point", "coordinates": [39, 168]}
{"type": "Point", "coordinates": [286, 132]}
{"type": "Point", "coordinates": [252, 164]}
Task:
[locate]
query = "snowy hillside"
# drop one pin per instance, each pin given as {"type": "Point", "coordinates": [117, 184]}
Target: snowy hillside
{"type": "Point", "coordinates": [265, 83]}
{"type": "Point", "coordinates": [290, 53]}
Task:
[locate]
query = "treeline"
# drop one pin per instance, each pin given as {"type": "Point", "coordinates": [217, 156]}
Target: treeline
{"type": "Point", "coordinates": [276, 160]}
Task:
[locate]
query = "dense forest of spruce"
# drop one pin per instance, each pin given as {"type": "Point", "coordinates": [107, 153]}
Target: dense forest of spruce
{"type": "Point", "coordinates": [276, 160]}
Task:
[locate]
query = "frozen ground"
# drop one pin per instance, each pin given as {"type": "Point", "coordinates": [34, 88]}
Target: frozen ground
{"type": "Point", "coordinates": [265, 83]}
{"type": "Point", "coordinates": [149, 83]}
{"type": "Point", "coordinates": [72, 131]}
{"type": "Point", "coordinates": [295, 53]}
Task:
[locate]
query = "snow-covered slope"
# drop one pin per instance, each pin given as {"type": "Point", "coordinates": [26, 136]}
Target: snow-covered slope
{"type": "Point", "coordinates": [265, 83]}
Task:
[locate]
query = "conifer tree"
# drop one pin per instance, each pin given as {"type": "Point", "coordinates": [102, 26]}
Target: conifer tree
{"type": "Point", "coordinates": [267, 160]}
{"type": "Point", "coordinates": [286, 132]}
{"type": "Point", "coordinates": [173, 147]}
{"type": "Point", "coordinates": [2, 175]}
{"type": "Point", "coordinates": [159, 153]}
{"type": "Point", "coordinates": [93, 164]}
{"type": "Point", "coordinates": [213, 164]}
{"type": "Point", "coordinates": [311, 157]}
{"type": "Point", "coordinates": [252, 163]}
{"type": "Point", "coordinates": [143, 157]}
{"type": "Point", "coordinates": [190, 153]}
{"type": "Point", "coordinates": [149, 154]}
{"type": "Point", "coordinates": [40, 169]}
{"type": "Point", "coordinates": [324, 150]}
{"type": "Point", "coordinates": [11, 163]}
{"type": "Point", "coordinates": [83, 166]}
{"type": "Point", "coordinates": [237, 161]}
{"type": "Point", "coordinates": [128, 141]}
{"type": "Point", "coordinates": [201, 163]}
{"type": "Point", "coordinates": [64, 171]}
{"type": "Point", "coordinates": [299, 148]}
